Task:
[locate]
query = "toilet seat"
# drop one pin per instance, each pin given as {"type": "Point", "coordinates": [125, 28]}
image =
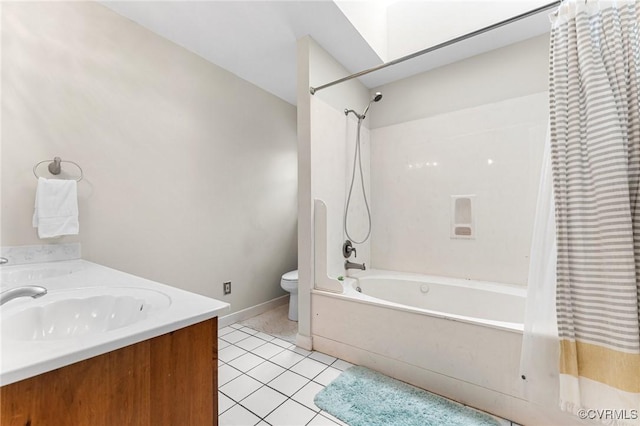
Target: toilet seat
{"type": "Point", "coordinates": [290, 276]}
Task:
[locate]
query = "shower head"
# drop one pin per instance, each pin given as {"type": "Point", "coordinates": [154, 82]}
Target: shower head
{"type": "Point", "coordinates": [376, 98]}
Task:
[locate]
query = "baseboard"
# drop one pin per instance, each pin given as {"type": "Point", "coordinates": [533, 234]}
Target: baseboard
{"type": "Point", "coordinates": [252, 311]}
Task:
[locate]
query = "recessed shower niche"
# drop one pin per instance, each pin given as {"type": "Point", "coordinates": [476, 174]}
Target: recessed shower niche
{"type": "Point", "coordinates": [462, 219]}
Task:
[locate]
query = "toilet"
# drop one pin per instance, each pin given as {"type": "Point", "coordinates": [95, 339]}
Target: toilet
{"type": "Point", "coordinates": [289, 282]}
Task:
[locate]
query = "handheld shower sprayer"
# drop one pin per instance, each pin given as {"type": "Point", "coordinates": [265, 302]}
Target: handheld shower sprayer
{"type": "Point", "coordinates": [358, 162]}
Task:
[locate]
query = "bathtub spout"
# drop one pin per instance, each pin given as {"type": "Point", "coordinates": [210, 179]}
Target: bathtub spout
{"type": "Point", "coordinates": [352, 265]}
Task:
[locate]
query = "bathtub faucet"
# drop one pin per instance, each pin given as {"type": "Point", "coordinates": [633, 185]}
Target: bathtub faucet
{"type": "Point", "coordinates": [352, 265]}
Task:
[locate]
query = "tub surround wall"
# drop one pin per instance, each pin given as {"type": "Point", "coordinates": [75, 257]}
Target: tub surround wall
{"type": "Point", "coordinates": [472, 128]}
{"type": "Point", "coordinates": [493, 152]}
{"type": "Point", "coordinates": [189, 171]}
{"type": "Point", "coordinates": [323, 143]}
{"type": "Point", "coordinates": [334, 139]}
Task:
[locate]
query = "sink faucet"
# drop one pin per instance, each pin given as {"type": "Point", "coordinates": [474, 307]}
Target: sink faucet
{"type": "Point", "coordinates": [352, 265]}
{"type": "Point", "coordinates": [24, 291]}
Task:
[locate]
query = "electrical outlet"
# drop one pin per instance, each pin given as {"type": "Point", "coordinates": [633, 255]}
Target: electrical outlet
{"type": "Point", "coordinates": [227, 287]}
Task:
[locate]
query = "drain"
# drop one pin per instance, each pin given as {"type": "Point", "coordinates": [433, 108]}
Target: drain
{"type": "Point", "coordinates": [358, 289]}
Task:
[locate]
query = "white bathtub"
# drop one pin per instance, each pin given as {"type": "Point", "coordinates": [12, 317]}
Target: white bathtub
{"type": "Point", "coordinates": [458, 338]}
{"type": "Point", "coordinates": [479, 302]}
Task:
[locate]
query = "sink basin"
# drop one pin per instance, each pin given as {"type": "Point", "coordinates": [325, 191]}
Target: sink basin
{"type": "Point", "coordinates": [23, 276]}
{"type": "Point", "coordinates": [69, 314]}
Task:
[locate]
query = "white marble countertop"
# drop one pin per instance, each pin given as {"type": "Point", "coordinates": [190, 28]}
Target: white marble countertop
{"type": "Point", "coordinates": [21, 359]}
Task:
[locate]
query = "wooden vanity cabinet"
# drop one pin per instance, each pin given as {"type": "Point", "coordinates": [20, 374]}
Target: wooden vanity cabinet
{"type": "Point", "coordinates": [169, 380]}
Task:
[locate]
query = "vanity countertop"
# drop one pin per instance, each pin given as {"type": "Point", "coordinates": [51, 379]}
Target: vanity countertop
{"type": "Point", "coordinates": [22, 358]}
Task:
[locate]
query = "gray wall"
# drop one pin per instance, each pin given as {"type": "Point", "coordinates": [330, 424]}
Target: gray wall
{"type": "Point", "coordinates": [190, 172]}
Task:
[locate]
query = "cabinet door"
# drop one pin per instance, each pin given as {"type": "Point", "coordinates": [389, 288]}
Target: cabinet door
{"type": "Point", "coordinates": [168, 380]}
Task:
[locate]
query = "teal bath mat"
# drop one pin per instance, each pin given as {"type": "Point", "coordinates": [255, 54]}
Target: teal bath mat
{"type": "Point", "coordinates": [362, 397]}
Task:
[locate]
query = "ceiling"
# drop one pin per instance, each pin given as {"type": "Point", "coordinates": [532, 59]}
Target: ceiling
{"type": "Point", "coordinates": [256, 40]}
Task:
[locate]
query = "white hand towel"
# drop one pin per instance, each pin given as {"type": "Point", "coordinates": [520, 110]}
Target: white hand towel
{"type": "Point", "coordinates": [56, 208]}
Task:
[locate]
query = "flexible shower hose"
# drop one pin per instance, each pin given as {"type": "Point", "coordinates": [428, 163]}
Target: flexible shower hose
{"type": "Point", "coordinates": [357, 157]}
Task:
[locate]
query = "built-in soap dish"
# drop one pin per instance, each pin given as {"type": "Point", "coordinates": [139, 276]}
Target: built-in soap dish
{"type": "Point", "coordinates": [462, 219]}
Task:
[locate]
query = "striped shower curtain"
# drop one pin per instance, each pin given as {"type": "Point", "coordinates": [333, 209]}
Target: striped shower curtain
{"type": "Point", "coordinates": [595, 140]}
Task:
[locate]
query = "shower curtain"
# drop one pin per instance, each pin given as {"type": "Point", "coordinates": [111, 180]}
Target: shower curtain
{"type": "Point", "coordinates": [595, 154]}
{"type": "Point", "coordinates": [540, 351]}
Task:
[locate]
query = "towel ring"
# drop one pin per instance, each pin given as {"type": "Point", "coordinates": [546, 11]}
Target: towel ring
{"type": "Point", "coordinates": [55, 167]}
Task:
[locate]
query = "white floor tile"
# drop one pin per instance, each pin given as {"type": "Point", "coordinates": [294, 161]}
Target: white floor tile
{"type": "Point", "coordinates": [236, 325]}
{"type": "Point", "coordinates": [220, 363]}
{"type": "Point", "coordinates": [263, 423]}
{"type": "Point", "coordinates": [267, 350]}
{"type": "Point", "coordinates": [286, 358]}
{"type": "Point", "coordinates": [341, 365]}
{"type": "Point", "coordinates": [224, 403]}
{"type": "Point", "coordinates": [288, 383]}
{"type": "Point", "coordinates": [250, 343]}
{"type": "Point", "coordinates": [301, 351]}
{"type": "Point", "coordinates": [225, 330]}
{"type": "Point", "coordinates": [266, 372]}
{"type": "Point", "coordinates": [290, 413]}
{"type": "Point", "coordinates": [321, 420]}
{"type": "Point", "coordinates": [305, 395]}
{"type": "Point", "coordinates": [248, 330]}
{"type": "Point", "coordinates": [319, 356]}
{"type": "Point", "coordinates": [333, 418]}
{"type": "Point", "coordinates": [327, 376]}
{"type": "Point", "coordinates": [309, 368]}
{"type": "Point", "coordinates": [237, 416]}
{"type": "Point", "coordinates": [240, 387]}
{"type": "Point", "coordinates": [282, 343]}
{"type": "Point", "coordinates": [263, 401]}
{"type": "Point", "coordinates": [222, 344]}
{"type": "Point", "coordinates": [246, 362]}
{"type": "Point", "coordinates": [230, 353]}
{"type": "Point", "coordinates": [226, 373]}
{"type": "Point", "coordinates": [235, 336]}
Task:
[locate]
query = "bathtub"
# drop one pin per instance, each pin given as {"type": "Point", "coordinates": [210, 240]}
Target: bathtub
{"type": "Point", "coordinates": [458, 338]}
{"type": "Point", "coordinates": [476, 302]}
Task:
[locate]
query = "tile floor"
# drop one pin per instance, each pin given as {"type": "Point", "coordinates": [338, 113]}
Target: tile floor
{"type": "Point", "coordinates": [264, 380]}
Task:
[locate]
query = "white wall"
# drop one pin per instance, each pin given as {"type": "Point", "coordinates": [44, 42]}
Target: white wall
{"type": "Point", "coordinates": [416, 25]}
{"type": "Point", "coordinates": [516, 70]}
{"type": "Point", "coordinates": [190, 172]}
{"type": "Point", "coordinates": [476, 127]}
{"type": "Point", "coordinates": [370, 19]}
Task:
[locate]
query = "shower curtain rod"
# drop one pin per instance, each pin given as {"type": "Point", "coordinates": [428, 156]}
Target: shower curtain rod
{"type": "Point", "coordinates": [313, 90]}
